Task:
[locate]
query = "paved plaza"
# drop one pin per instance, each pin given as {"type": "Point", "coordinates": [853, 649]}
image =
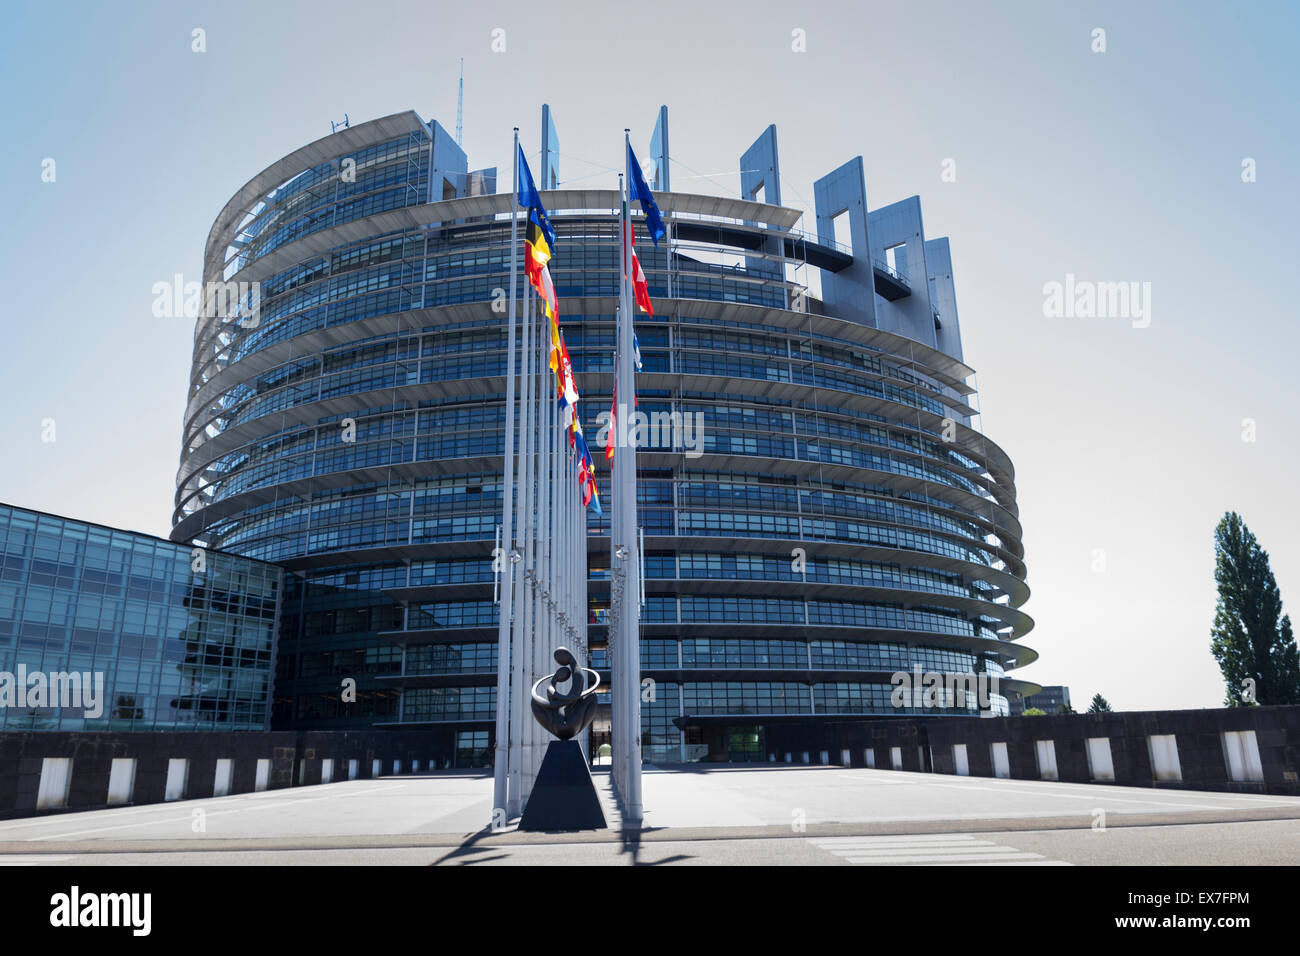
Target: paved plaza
{"type": "Point", "coordinates": [718, 814]}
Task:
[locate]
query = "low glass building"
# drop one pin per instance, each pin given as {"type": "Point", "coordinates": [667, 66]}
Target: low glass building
{"type": "Point", "coordinates": [833, 514]}
{"type": "Point", "coordinates": [102, 629]}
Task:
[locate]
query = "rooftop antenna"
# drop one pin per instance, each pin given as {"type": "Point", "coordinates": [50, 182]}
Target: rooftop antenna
{"type": "Point", "coordinates": [460, 101]}
{"type": "Point", "coordinates": [335, 127]}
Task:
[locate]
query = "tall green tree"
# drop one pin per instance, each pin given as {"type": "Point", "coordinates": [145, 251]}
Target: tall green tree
{"type": "Point", "coordinates": [1099, 705]}
{"type": "Point", "coordinates": [1251, 638]}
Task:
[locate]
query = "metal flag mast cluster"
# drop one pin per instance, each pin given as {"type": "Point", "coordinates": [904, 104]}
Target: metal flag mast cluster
{"type": "Point", "coordinates": [542, 557]}
{"type": "Point", "coordinates": [548, 482]}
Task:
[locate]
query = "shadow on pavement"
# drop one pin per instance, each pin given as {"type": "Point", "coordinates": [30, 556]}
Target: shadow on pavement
{"type": "Point", "coordinates": [465, 853]}
{"type": "Point", "coordinates": [631, 844]}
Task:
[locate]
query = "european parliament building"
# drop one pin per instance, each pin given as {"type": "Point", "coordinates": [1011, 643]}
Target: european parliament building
{"type": "Point", "coordinates": [840, 517]}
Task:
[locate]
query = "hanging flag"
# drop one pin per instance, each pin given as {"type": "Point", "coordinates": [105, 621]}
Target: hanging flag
{"type": "Point", "coordinates": [554, 360]}
{"type": "Point", "coordinates": [529, 199]}
{"type": "Point", "coordinates": [639, 286]}
{"type": "Point", "coordinates": [584, 454]}
{"type": "Point", "coordinates": [567, 392]}
{"type": "Point", "coordinates": [583, 484]}
{"type": "Point", "coordinates": [566, 414]}
{"type": "Point", "coordinates": [641, 192]}
{"type": "Point", "coordinates": [568, 387]}
{"type": "Point", "coordinates": [587, 474]}
{"type": "Point", "coordinates": [561, 386]}
{"type": "Point", "coordinates": [539, 240]}
{"type": "Point", "coordinates": [537, 251]}
{"type": "Point", "coordinates": [546, 289]}
{"type": "Point", "coordinates": [590, 493]}
{"type": "Point", "coordinates": [636, 352]}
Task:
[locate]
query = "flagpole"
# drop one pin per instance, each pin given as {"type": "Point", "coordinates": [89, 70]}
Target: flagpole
{"type": "Point", "coordinates": [578, 577]}
{"type": "Point", "coordinates": [546, 524]}
{"type": "Point", "coordinates": [629, 622]}
{"type": "Point", "coordinates": [537, 661]}
{"type": "Point", "coordinates": [559, 579]}
{"type": "Point", "coordinates": [501, 762]}
{"type": "Point", "coordinates": [617, 696]}
{"type": "Point", "coordinates": [524, 620]}
{"type": "Point", "coordinates": [534, 541]}
{"type": "Point", "coordinates": [546, 527]}
{"type": "Point", "coordinates": [542, 522]}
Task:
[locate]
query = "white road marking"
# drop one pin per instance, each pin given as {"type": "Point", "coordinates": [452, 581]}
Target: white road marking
{"type": "Point", "coordinates": [33, 859]}
{"type": "Point", "coordinates": [919, 849]}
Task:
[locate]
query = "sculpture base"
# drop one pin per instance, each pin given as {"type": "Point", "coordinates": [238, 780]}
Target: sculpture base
{"type": "Point", "coordinates": [564, 796]}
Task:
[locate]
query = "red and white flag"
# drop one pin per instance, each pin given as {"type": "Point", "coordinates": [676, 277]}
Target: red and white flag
{"type": "Point", "coordinates": [639, 287]}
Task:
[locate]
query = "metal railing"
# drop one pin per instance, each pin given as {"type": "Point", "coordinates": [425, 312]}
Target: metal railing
{"type": "Point", "coordinates": [890, 271]}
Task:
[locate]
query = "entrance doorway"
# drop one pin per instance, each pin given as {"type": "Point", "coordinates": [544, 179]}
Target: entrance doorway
{"type": "Point", "coordinates": [745, 744]}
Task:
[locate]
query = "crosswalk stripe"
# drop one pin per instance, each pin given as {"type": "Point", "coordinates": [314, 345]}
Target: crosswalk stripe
{"type": "Point", "coordinates": [1038, 862]}
{"type": "Point", "coordinates": [956, 844]}
{"type": "Point", "coordinates": [902, 838]}
{"type": "Point", "coordinates": [942, 858]}
{"type": "Point", "coordinates": [956, 849]}
{"type": "Point", "coordinates": [31, 859]}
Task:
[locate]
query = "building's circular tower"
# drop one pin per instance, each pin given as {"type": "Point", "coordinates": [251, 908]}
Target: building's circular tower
{"type": "Point", "coordinates": [819, 511]}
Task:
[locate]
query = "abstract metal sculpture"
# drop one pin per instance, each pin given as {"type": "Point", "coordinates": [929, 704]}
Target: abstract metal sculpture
{"type": "Point", "coordinates": [566, 714]}
{"type": "Point", "coordinates": [563, 797]}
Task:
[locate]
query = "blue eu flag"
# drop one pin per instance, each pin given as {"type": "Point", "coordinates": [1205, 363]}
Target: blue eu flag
{"type": "Point", "coordinates": [529, 199]}
{"type": "Point", "coordinates": [641, 192]}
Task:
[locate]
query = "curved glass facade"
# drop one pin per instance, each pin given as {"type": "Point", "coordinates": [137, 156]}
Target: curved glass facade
{"type": "Point", "coordinates": [354, 434]}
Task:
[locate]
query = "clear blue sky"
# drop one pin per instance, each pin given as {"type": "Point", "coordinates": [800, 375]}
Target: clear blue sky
{"type": "Point", "coordinates": [1123, 165]}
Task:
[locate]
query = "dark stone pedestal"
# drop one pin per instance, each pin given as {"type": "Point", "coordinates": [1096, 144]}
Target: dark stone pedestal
{"type": "Point", "coordinates": [564, 797]}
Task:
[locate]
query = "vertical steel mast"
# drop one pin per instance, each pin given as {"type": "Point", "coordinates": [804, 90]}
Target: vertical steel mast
{"type": "Point", "coordinates": [501, 795]}
{"type": "Point", "coordinates": [624, 544]}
